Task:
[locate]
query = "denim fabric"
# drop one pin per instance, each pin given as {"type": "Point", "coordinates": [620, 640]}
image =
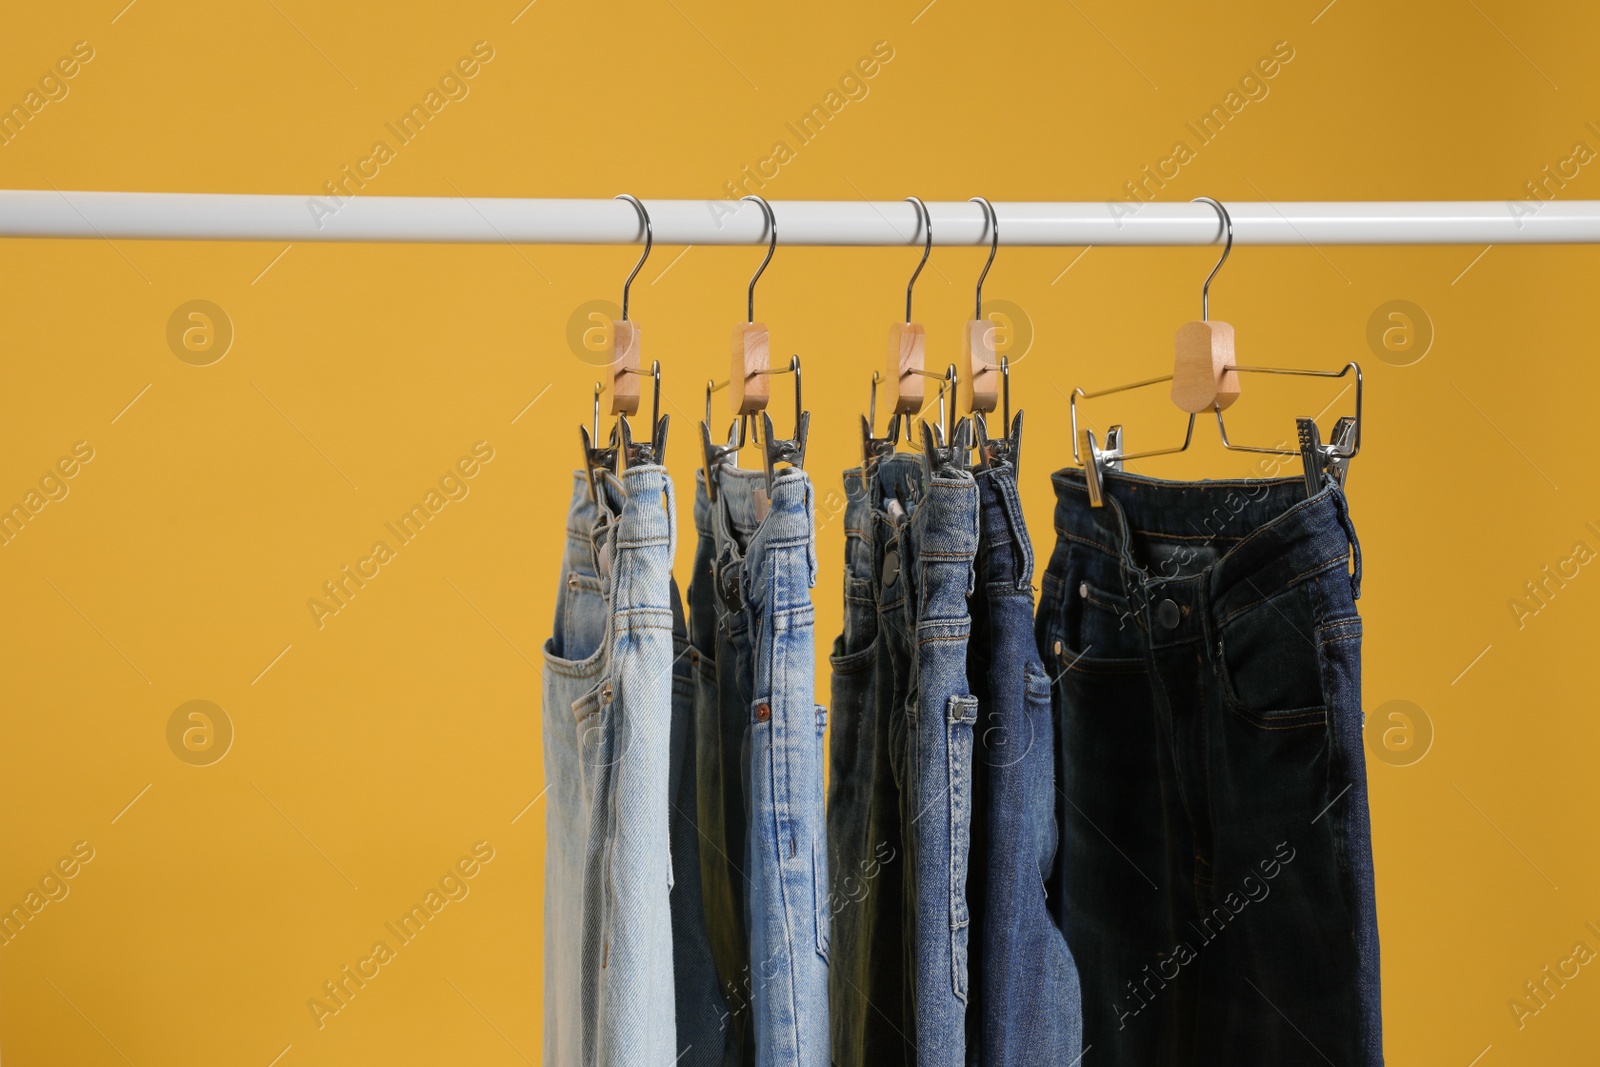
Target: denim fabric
{"type": "Point", "coordinates": [1029, 1006]}
{"type": "Point", "coordinates": [609, 772]}
{"type": "Point", "coordinates": [762, 572]}
{"type": "Point", "coordinates": [866, 849]}
{"type": "Point", "coordinates": [1219, 897]}
{"type": "Point", "coordinates": [936, 550]}
{"type": "Point", "coordinates": [574, 658]}
{"type": "Point", "coordinates": [702, 1012]}
{"type": "Point", "coordinates": [720, 714]}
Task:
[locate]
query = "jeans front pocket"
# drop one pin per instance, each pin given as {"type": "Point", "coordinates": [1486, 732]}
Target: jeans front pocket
{"type": "Point", "coordinates": [1270, 662]}
{"type": "Point", "coordinates": [962, 715]}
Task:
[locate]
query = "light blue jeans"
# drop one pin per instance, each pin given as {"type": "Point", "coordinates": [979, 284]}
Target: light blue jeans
{"type": "Point", "coordinates": [764, 569]}
{"type": "Point", "coordinates": [608, 683]}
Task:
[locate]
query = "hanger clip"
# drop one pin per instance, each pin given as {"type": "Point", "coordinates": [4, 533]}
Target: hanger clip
{"type": "Point", "coordinates": [597, 459]}
{"type": "Point", "coordinates": [939, 455]}
{"type": "Point", "coordinates": [793, 450]}
{"type": "Point", "coordinates": [1326, 462]}
{"type": "Point", "coordinates": [642, 453]}
{"type": "Point", "coordinates": [994, 451]}
{"type": "Point", "coordinates": [874, 449]}
{"type": "Point", "coordinates": [1098, 462]}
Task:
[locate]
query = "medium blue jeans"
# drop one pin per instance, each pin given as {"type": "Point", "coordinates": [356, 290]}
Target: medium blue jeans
{"type": "Point", "coordinates": [1219, 898]}
{"type": "Point", "coordinates": [1029, 1006]}
{"type": "Point", "coordinates": [934, 559]}
{"type": "Point", "coordinates": [763, 570]}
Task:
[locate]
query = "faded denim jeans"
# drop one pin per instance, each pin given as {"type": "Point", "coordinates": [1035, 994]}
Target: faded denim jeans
{"type": "Point", "coordinates": [761, 780]}
{"type": "Point", "coordinates": [608, 683]}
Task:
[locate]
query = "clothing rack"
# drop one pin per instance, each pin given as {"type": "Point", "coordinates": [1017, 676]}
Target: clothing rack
{"type": "Point", "coordinates": [342, 217]}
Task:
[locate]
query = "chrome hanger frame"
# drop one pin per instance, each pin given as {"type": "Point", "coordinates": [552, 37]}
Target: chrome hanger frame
{"type": "Point", "coordinates": [874, 449]}
{"type": "Point", "coordinates": [775, 450]}
{"type": "Point", "coordinates": [925, 220]}
{"type": "Point", "coordinates": [1007, 449]}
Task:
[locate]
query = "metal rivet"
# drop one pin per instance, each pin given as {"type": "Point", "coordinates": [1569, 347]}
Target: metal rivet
{"type": "Point", "coordinates": [891, 567]}
{"type": "Point", "coordinates": [1083, 589]}
{"type": "Point", "coordinates": [605, 693]}
{"type": "Point", "coordinates": [763, 712]}
{"type": "Point", "coordinates": [1059, 649]}
{"type": "Point", "coordinates": [572, 580]}
{"type": "Point", "coordinates": [1168, 615]}
{"type": "Point", "coordinates": [694, 659]}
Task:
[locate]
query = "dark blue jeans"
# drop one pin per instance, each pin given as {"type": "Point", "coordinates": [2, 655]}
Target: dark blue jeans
{"type": "Point", "coordinates": [866, 846]}
{"type": "Point", "coordinates": [1029, 1011]}
{"type": "Point", "coordinates": [1219, 895]}
{"type": "Point", "coordinates": [720, 725]}
{"type": "Point", "coordinates": [704, 1037]}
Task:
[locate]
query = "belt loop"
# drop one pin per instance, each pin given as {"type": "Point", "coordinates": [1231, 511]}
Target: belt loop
{"type": "Point", "coordinates": [672, 515]}
{"type": "Point", "coordinates": [811, 533]}
{"type": "Point", "coordinates": [1342, 506]}
{"type": "Point", "coordinates": [1011, 500]}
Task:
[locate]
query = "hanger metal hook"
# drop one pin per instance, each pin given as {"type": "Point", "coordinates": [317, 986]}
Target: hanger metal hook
{"type": "Point", "coordinates": [926, 221]}
{"type": "Point", "coordinates": [772, 245]}
{"type": "Point", "coordinates": [994, 245]}
{"type": "Point", "coordinates": [1227, 222]}
{"type": "Point", "coordinates": [649, 239]}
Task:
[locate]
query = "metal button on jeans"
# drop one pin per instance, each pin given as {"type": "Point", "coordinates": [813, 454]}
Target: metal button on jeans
{"type": "Point", "coordinates": [1167, 614]}
{"type": "Point", "coordinates": [891, 567]}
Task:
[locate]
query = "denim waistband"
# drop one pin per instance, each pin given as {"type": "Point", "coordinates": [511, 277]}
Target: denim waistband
{"type": "Point", "coordinates": [942, 542]}
{"type": "Point", "coordinates": [599, 530]}
{"type": "Point", "coordinates": [869, 521]}
{"type": "Point", "coordinates": [1252, 537]}
{"type": "Point", "coordinates": [746, 539]}
{"type": "Point", "coordinates": [1007, 553]}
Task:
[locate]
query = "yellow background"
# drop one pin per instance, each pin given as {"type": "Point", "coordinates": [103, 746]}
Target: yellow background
{"type": "Point", "coordinates": [372, 753]}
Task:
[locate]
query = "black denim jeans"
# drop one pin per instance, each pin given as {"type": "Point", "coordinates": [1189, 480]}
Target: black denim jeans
{"type": "Point", "coordinates": [1206, 653]}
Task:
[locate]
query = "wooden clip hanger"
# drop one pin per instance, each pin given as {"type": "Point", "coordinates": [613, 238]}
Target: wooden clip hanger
{"type": "Point", "coordinates": [1205, 376]}
{"type": "Point", "coordinates": [749, 388]}
{"type": "Point", "coordinates": [1202, 367]}
{"type": "Point", "coordinates": [978, 338]}
{"type": "Point", "coordinates": [622, 352]}
{"type": "Point", "coordinates": [991, 374]}
{"type": "Point", "coordinates": [908, 341]}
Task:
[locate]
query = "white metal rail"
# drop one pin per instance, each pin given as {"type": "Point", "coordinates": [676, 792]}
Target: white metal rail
{"type": "Point", "coordinates": [490, 220]}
